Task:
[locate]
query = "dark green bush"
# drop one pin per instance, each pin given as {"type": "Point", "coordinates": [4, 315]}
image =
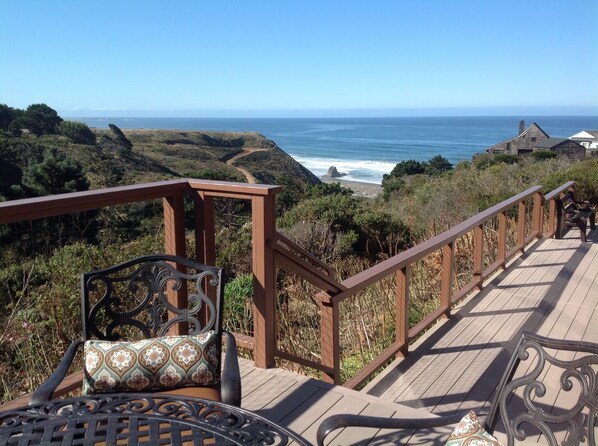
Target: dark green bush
{"type": "Point", "coordinates": [506, 158]}
{"type": "Point", "coordinates": [541, 155]}
{"type": "Point", "coordinates": [77, 132]}
{"type": "Point", "coordinates": [585, 174]}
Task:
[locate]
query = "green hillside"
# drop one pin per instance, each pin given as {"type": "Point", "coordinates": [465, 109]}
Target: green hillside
{"type": "Point", "coordinates": [153, 155]}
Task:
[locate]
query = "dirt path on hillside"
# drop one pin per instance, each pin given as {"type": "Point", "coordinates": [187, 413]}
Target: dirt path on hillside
{"type": "Point", "coordinates": [250, 178]}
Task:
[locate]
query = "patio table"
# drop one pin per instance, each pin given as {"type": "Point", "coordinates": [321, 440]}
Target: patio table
{"type": "Point", "coordinates": [139, 419]}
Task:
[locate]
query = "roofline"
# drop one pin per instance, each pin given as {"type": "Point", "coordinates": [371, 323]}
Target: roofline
{"type": "Point", "coordinates": [515, 137]}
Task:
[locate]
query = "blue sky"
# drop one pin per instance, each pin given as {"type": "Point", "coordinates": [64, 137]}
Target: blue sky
{"type": "Point", "coordinates": [277, 58]}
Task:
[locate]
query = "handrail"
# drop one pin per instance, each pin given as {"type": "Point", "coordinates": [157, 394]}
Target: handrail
{"type": "Point", "coordinates": [52, 205]}
{"type": "Point", "coordinates": [272, 249]}
{"type": "Point", "coordinates": [365, 278]}
{"type": "Point", "coordinates": [559, 190]}
{"type": "Point", "coordinates": [296, 258]}
{"type": "Point", "coordinates": [330, 299]}
{"type": "Point", "coordinates": [172, 193]}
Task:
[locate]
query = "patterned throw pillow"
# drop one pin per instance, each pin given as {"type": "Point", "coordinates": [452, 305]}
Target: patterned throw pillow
{"type": "Point", "coordinates": [470, 432]}
{"type": "Point", "coordinates": [151, 364]}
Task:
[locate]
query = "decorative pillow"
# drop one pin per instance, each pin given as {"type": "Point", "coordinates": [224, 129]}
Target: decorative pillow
{"type": "Point", "coordinates": [151, 364]}
{"type": "Point", "coordinates": [470, 432]}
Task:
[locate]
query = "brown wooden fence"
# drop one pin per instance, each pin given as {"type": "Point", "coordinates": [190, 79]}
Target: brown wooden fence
{"type": "Point", "coordinates": [529, 210]}
{"type": "Point", "coordinates": [271, 250]}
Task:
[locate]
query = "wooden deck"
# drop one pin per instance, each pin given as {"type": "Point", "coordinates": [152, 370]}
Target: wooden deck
{"type": "Point", "coordinates": [552, 291]}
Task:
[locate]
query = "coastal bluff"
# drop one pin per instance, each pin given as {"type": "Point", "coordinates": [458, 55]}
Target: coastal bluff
{"type": "Point", "coordinates": [125, 157]}
{"type": "Point", "coordinates": [237, 156]}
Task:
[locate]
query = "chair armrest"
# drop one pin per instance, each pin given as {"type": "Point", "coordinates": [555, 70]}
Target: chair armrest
{"type": "Point", "coordinates": [345, 420]}
{"type": "Point", "coordinates": [231, 376]}
{"type": "Point", "coordinates": [44, 392]}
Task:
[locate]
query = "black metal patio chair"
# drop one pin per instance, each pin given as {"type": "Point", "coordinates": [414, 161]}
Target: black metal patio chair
{"type": "Point", "coordinates": [548, 395]}
{"type": "Point", "coordinates": [127, 319]}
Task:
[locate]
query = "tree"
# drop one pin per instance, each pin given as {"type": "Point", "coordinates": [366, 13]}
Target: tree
{"type": "Point", "coordinates": [409, 167]}
{"type": "Point", "coordinates": [56, 174]}
{"type": "Point", "coordinates": [41, 119]}
{"type": "Point", "coordinates": [391, 185]}
{"type": "Point", "coordinates": [7, 115]}
{"type": "Point", "coordinates": [77, 132]}
{"type": "Point", "coordinates": [437, 165]}
{"type": "Point", "coordinates": [323, 189]}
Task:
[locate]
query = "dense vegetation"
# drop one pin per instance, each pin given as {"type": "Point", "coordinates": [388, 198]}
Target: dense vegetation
{"type": "Point", "coordinates": [40, 261]}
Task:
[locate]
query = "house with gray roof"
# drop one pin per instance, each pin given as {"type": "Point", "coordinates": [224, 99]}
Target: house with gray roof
{"type": "Point", "coordinates": [522, 143]}
{"type": "Point", "coordinates": [534, 138]}
{"type": "Point", "coordinates": [564, 147]}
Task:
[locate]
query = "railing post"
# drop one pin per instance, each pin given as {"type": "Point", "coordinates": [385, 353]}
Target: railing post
{"type": "Point", "coordinates": [174, 225]}
{"type": "Point", "coordinates": [402, 309]}
{"type": "Point", "coordinates": [502, 239]}
{"type": "Point", "coordinates": [205, 240]}
{"type": "Point", "coordinates": [174, 244]}
{"type": "Point", "coordinates": [264, 279]}
{"type": "Point", "coordinates": [446, 284]}
{"type": "Point", "coordinates": [478, 255]}
{"type": "Point", "coordinates": [329, 329]}
{"type": "Point", "coordinates": [538, 214]}
{"type": "Point", "coordinates": [551, 218]}
{"type": "Point", "coordinates": [521, 226]}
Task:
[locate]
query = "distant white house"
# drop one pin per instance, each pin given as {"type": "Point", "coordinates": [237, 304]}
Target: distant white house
{"type": "Point", "coordinates": [588, 139]}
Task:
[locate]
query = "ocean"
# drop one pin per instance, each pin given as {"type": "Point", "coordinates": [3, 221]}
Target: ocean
{"type": "Point", "coordinates": [366, 148]}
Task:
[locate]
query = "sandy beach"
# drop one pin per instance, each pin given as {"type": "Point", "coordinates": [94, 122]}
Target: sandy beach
{"type": "Point", "coordinates": [360, 189]}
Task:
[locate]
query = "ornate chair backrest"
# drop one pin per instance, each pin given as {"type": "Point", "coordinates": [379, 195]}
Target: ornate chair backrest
{"type": "Point", "coordinates": [549, 393]}
{"type": "Point", "coordinates": [136, 299]}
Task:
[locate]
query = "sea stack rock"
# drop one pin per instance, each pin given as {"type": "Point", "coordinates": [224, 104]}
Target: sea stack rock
{"type": "Point", "coordinates": [334, 173]}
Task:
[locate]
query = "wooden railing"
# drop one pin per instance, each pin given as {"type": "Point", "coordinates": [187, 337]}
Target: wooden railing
{"type": "Point", "coordinates": [172, 193]}
{"type": "Point", "coordinates": [271, 250]}
{"type": "Point", "coordinates": [529, 225]}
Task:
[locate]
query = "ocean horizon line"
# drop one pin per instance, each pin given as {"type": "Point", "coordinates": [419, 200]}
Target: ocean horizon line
{"type": "Point", "coordinates": [333, 113]}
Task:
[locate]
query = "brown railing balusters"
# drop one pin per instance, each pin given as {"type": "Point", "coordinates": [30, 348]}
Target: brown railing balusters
{"type": "Point", "coordinates": [478, 255]}
{"type": "Point", "coordinates": [446, 281]}
{"type": "Point", "coordinates": [502, 239]}
{"type": "Point", "coordinates": [538, 215]}
{"type": "Point", "coordinates": [521, 226]}
{"type": "Point", "coordinates": [402, 309]}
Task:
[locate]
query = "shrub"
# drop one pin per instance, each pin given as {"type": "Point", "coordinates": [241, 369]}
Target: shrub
{"type": "Point", "coordinates": [541, 155]}
{"type": "Point", "coordinates": [238, 294]}
{"type": "Point", "coordinates": [77, 132]}
{"type": "Point", "coordinates": [585, 174]}
{"type": "Point", "coordinates": [438, 165]}
{"type": "Point", "coordinates": [506, 158]}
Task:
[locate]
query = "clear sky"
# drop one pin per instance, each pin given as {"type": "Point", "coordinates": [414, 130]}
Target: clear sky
{"type": "Point", "coordinates": [283, 57]}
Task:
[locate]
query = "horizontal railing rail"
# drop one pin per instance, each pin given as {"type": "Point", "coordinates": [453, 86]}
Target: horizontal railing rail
{"type": "Point", "coordinates": [173, 193]}
{"type": "Point", "coordinates": [271, 250]}
{"type": "Point", "coordinates": [528, 226]}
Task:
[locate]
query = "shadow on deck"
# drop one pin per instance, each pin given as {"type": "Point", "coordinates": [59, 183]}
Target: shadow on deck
{"type": "Point", "coordinates": [552, 290]}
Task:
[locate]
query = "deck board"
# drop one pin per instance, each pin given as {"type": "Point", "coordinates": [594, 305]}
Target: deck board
{"type": "Point", "coordinates": [552, 290]}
